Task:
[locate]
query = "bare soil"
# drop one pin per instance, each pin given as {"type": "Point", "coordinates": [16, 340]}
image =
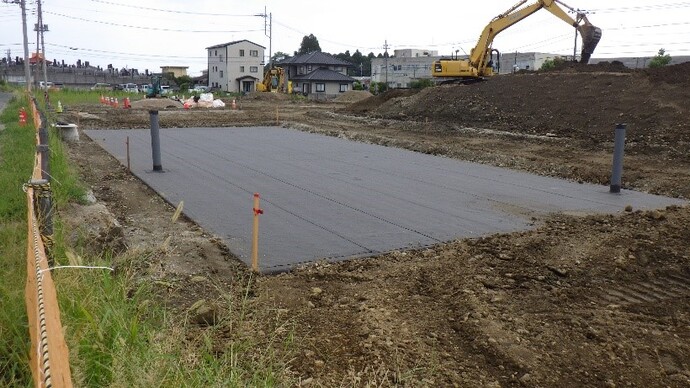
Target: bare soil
{"type": "Point", "coordinates": [588, 300]}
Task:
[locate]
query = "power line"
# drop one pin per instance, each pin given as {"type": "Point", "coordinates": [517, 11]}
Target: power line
{"type": "Point", "coordinates": [171, 11]}
{"type": "Point", "coordinates": [146, 28]}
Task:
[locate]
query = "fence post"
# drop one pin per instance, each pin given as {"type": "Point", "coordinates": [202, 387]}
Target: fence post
{"type": "Point", "coordinates": [255, 234]}
{"type": "Point", "coordinates": [45, 199]}
{"type": "Point", "coordinates": [155, 141]}
{"type": "Point", "coordinates": [618, 146]}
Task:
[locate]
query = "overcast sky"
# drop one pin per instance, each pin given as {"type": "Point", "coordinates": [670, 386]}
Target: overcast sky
{"type": "Point", "coordinates": [148, 34]}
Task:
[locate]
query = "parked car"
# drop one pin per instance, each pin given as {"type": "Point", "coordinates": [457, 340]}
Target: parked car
{"type": "Point", "coordinates": [200, 89]}
{"type": "Point", "coordinates": [131, 88]}
{"type": "Point", "coordinates": [46, 85]}
{"type": "Point", "coordinates": [101, 86]}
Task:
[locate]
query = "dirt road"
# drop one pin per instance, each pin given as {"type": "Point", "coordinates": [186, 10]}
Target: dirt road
{"type": "Point", "coordinates": [580, 301]}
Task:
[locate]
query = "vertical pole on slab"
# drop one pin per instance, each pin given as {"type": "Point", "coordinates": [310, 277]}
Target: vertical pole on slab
{"type": "Point", "coordinates": [128, 165]}
{"type": "Point", "coordinates": [617, 173]}
{"type": "Point", "coordinates": [155, 141]}
{"type": "Point", "coordinates": [255, 234]}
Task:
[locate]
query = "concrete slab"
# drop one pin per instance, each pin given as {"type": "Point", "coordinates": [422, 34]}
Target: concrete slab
{"type": "Point", "coordinates": [326, 197]}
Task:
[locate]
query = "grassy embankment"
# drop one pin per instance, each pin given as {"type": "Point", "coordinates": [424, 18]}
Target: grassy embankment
{"type": "Point", "coordinates": [117, 333]}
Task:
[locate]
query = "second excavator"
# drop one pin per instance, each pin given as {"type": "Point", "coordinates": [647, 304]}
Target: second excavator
{"type": "Point", "coordinates": [483, 57]}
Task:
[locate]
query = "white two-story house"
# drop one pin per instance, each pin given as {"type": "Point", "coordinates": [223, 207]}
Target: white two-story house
{"type": "Point", "coordinates": [235, 66]}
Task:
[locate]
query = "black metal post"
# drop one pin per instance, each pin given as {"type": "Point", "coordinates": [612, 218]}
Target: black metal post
{"type": "Point", "coordinates": [155, 141]}
{"type": "Point", "coordinates": [618, 146]}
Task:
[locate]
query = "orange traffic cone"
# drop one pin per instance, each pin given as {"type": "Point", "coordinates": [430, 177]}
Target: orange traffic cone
{"type": "Point", "coordinates": [22, 117]}
{"type": "Point", "coordinates": [116, 103]}
{"type": "Point", "coordinates": [102, 99]}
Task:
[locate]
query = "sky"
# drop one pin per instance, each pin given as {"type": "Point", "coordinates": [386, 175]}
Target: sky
{"type": "Point", "coordinates": [153, 33]}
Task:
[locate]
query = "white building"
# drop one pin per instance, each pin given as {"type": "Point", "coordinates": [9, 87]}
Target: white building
{"type": "Point", "coordinates": [403, 67]}
{"type": "Point", "coordinates": [235, 66]}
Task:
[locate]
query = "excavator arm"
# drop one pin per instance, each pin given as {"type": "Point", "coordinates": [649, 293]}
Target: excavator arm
{"type": "Point", "coordinates": [590, 34]}
{"type": "Point", "coordinates": [479, 63]}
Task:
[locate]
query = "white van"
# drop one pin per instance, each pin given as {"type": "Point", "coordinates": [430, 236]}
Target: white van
{"type": "Point", "coordinates": [131, 88]}
{"type": "Point", "coordinates": [44, 85]}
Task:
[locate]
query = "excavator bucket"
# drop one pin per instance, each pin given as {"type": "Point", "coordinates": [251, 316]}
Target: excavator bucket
{"type": "Point", "coordinates": [590, 38]}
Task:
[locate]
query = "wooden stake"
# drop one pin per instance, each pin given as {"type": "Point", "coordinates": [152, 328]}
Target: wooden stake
{"type": "Point", "coordinates": [255, 234]}
{"type": "Point", "coordinates": [128, 166]}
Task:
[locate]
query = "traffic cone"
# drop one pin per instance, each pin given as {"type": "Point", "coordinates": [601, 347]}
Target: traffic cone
{"type": "Point", "coordinates": [22, 117]}
{"type": "Point", "coordinates": [116, 103]}
{"type": "Point", "coordinates": [59, 107]}
{"type": "Point", "coordinates": [125, 103]}
{"type": "Point", "coordinates": [102, 99]}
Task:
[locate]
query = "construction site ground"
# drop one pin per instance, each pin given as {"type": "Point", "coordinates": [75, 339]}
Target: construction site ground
{"type": "Point", "coordinates": [580, 300]}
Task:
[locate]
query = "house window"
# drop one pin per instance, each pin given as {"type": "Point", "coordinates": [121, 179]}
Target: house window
{"type": "Point", "coordinates": [320, 87]}
{"type": "Point", "coordinates": [343, 88]}
{"type": "Point", "coordinates": [221, 74]}
{"type": "Point", "coordinates": [215, 52]}
{"type": "Point", "coordinates": [253, 69]}
{"type": "Point", "coordinates": [221, 58]}
{"type": "Point", "coordinates": [241, 69]}
{"type": "Point", "coordinates": [338, 69]}
{"type": "Point", "coordinates": [241, 53]}
{"type": "Point", "coordinates": [308, 68]}
{"type": "Point", "coordinates": [300, 70]}
{"type": "Point", "coordinates": [253, 53]}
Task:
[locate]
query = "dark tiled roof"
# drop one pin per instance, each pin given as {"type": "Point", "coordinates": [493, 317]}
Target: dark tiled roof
{"type": "Point", "coordinates": [323, 75]}
{"type": "Point", "coordinates": [315, 58]}
{"type": "Point", "coordinates": [232, 43]}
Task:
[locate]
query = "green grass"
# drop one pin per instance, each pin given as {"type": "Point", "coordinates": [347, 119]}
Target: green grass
{"type": "Point", "coordinates": [118, 332]}
{"type": "Point", "coordinates": [16, 161]}
{"type": "Point", "coordinates": [77, 96]}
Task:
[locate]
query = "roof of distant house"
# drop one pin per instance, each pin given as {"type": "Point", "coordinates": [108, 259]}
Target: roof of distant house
{"type": "Point", "coordinates": [233, 43]}
{"type": "Point", "coordinates": [315, 58]}
{"type": "Point", "coordinates": [323, 75]}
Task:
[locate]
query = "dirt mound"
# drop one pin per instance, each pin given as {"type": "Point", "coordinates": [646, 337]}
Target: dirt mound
{"type": "Point", "coordinates": [570, 105]}
{"type": "Point", "coordinates": [374, 102]}
{"type": "Point", "coordinates": [675, 74]}
{"type": "Point", "coordinates": [266, 96]}
{"type": "Point", "coordinates": [605, 66]}
{"type": "Point", "coordinates": [156, 103]}
{"type": "Point", "coordinates": [353, 96]}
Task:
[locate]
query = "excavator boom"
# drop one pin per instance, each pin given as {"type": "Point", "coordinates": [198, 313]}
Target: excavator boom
{"type": "Point", "coordinates": [480, 62]}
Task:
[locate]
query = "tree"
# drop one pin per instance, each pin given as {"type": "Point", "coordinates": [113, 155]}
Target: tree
{"type": "Point", "coordinates": [309, 44]}
{"type": "Point", "coordinates": [184, 82]}
{"type": "Point", "coordinates": [280, 56]}
{"type": "Point", "coordinates": [660, 60]}
{"type": "Point", "coordinates": [551, 64]}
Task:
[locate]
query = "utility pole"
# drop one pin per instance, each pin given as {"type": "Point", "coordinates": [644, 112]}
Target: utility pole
{"type": "Point", "coordinates": [27, 70]}
{"type": "Point", "coordinates": [41, 28]}
{"type": "Point", "coordinates": [268, 24]}
{"type": "Point", "coordinates": [385, 59]}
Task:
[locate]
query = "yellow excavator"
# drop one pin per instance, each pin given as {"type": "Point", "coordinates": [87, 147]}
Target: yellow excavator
{"type": "Point", "coordinates": [483, 58]}
{"type": "Point", "coordinates": [274, 81]}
